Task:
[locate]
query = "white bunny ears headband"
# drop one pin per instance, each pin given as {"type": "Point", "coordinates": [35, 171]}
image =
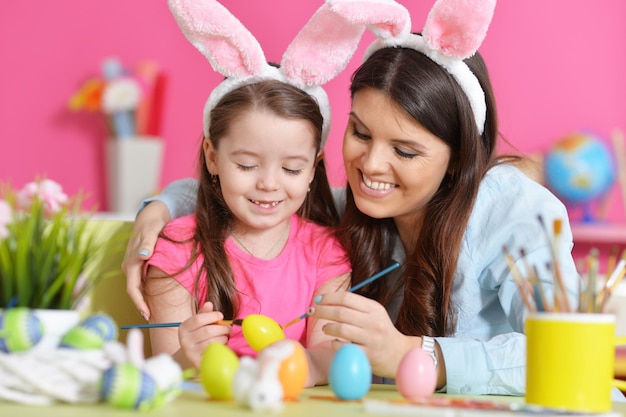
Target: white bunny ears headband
{"type": "Point", "coordinates": [319, 52]}
{"type": "Point", "coordinates": [453, 31]}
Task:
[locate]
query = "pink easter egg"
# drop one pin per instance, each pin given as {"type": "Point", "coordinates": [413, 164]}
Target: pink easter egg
{"type": "Point", "coordinates": [417, 376]}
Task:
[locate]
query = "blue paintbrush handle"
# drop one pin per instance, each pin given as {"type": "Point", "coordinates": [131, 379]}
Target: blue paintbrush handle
{"type": "Point", "coordinates": [354, 288]}
{"type": "Point", "coordinates": [150, 325]}
{"type": "Point", "coordinates": [375, 277]}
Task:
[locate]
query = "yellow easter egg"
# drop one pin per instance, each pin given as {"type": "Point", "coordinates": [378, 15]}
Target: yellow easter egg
{"type": "Point", "coordinates": [261, 331]}
{"type": "Point", "coordinates": [217, 370]}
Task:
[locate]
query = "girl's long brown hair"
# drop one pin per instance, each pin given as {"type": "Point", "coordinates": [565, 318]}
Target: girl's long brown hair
{"type": "Point", "coordinates": [213, 215]}
{"type": "Point", "coordinates": [433, 98]}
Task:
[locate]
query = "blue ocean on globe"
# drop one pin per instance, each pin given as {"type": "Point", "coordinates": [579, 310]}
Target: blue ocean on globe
{"type": "Point", "coordinates": [579, 169]}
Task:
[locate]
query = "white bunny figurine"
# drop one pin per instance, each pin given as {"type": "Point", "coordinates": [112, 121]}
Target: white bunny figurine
{"type": "Point", "coordinates": [256, 384]}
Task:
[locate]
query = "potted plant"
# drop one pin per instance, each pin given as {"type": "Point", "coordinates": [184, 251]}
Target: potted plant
{"type": "Point", "coordinates": [46, 248]}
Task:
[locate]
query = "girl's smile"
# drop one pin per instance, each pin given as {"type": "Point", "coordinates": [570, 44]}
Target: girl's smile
{"type": "Point", "coordinates": [265, 163]}
{"type": "Point", "coordinates": [265, 204]}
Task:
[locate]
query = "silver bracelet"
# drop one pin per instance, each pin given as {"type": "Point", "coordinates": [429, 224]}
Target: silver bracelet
{"type": "Point", "coordinates": [428, 344]}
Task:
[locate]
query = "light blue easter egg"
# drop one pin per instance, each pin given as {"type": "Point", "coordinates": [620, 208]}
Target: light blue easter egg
{"type": "Point", "coordinates": [350, 375]}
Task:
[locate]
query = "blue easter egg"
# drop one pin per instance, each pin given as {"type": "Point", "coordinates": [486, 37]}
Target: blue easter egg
{"type": "Point", "coordinates": [20, 329]}
{"type": "Point", "coordinates": [102, 324]}
{"type": "Point", "coordinates": [128, 387]}
{"type": "Point", "coordinates": [81, 338]}
{"type": "Point", "coordinates": [91, 333]}
{"type": "Point", "coordinates": [350, 374]}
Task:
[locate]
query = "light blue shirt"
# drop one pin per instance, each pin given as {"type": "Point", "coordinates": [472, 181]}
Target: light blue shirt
{"type": "Point", "coordinates": [487, 352]}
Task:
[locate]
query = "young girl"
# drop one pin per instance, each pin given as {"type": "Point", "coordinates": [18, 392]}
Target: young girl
{"type": "Point", "coordinates": [257, 242]}
{"type": "Point", "coordinates": [261, 240]}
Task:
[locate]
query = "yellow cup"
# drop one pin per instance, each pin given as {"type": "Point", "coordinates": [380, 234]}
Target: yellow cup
{"type": "Point", "coordinates": [570, 360]}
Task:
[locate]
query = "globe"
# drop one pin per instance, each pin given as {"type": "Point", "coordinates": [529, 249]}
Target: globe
{"type": "Point", "coordinates": [579, 169]}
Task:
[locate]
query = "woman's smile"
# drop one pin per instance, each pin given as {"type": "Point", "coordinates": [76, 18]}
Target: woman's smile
{"type": "Point", "coordinates": [376, 185]}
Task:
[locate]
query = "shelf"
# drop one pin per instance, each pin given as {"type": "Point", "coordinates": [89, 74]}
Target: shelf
{"type": "Point", "coordinates": [599, 233]}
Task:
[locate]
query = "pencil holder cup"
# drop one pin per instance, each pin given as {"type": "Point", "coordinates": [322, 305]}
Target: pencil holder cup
{"type": "Point", "coordinates": [570, 359]}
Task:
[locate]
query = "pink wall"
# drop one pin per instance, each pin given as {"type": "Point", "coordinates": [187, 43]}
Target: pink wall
{"type": "Point", "coordinates": [557, 66]}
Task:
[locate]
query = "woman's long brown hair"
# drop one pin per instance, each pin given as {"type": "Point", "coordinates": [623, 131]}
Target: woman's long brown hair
{"type": "Point", "coordinates": [428, 94]}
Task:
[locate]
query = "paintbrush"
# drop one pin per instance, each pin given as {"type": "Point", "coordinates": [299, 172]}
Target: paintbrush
{"type": "Point", "coordinates": [238, 322]}
{"type": "Point", "coordinates": [538, 291]}
{"type": "Point", "coordinates": [234, 322]}
{"type": "Point", "coordinates": [613, 281]}
{"type": "Point", "coordinates": [561, 300]}
{"type": "Point", "coordinates": [518, 278]}
{"type": "Point", "coordinates": [592, 278]}
{"type": "Point", "coordinates": [354, 288]}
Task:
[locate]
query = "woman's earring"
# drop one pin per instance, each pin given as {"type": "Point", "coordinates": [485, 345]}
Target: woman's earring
{"type": "Point", "coordinates": [214, 179]}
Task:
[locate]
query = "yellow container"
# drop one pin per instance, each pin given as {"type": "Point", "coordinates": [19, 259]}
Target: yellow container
{"type": "Point", "coordinates": [570, 360]}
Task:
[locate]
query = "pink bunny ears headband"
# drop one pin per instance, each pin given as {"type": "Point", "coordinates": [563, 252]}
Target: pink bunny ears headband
{"type": "Point", "coordinates": [453, 31]}
{"type": "Point", "coordinates": [318, 53]}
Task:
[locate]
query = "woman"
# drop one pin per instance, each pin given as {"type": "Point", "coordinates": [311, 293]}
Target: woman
{"type": "Point", "coordinates": [420, 175]}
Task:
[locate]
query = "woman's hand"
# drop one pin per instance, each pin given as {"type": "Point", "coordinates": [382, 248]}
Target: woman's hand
{"type": "Point", "coordinates": [195, 333]}
{"type": "Point", "coordinates": [146, 229]}
{"type": "Point", "coordinates": [365, 322]}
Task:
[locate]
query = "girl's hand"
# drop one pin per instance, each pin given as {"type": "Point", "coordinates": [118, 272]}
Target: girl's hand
{"type": "Point", "coordinates": [146, 229]}
{"type": "Point", "coordinates": [195, 333]}
{"type": "Point", "coordinates": [365, 322]}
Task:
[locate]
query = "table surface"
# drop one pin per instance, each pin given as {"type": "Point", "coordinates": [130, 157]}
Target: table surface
{"type": "Point", "coordinates": [317, 401]}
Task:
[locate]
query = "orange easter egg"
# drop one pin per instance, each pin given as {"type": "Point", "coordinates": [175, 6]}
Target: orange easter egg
{"type": "Point", "coordinates": [293, 372]}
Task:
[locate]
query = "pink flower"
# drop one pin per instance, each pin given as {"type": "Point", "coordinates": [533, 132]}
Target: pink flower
{"type": "Point", "coordinates": [48, 191]}
{"type": "Point", "coordinates": [81, 281]}
{"type": "Point", "coordinates": [5, 219]}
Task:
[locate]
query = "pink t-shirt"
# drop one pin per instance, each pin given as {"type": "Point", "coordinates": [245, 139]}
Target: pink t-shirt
{"type": "Point", "coordinates": [281, 288]}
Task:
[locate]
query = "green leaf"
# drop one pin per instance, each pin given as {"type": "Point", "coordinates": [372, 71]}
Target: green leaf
{"type": "Point", "coordinates": [44, 259]}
